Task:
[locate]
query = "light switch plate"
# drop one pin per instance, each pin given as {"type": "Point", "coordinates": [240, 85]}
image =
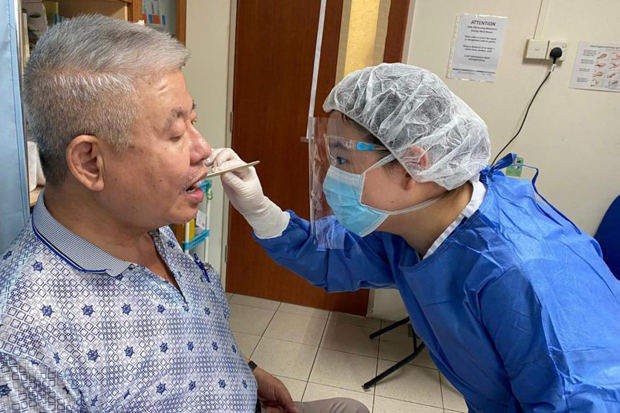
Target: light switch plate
{"type": "Point", "coordinates": [536, 49]}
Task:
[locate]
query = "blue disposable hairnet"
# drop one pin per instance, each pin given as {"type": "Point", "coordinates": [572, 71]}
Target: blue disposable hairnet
{"type": "Point", "coordinates": [406, 106]}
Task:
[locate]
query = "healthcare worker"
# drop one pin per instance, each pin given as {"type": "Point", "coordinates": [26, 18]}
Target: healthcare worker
{"type": "Point", "coordinates": [513, 301]}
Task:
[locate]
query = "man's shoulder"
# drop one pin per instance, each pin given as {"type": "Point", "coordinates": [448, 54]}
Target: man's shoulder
{"type": "Point", "coordinates": [17, 261]}
{"type": "Point", "coordinates": [17, 270]}
{"type": "Point", "coordinates": [27, 271]}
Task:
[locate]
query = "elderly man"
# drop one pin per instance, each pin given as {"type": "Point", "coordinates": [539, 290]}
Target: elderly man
{"type": "Point", "coordinates": [100, 310]}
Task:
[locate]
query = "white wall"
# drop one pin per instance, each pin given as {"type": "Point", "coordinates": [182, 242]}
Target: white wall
{"type": "Point", "coordinates": [569, 134]}
{"type": "Point", "coordinates": [572, 135]}
{"type": "Point", "coordinates": [208, 25]}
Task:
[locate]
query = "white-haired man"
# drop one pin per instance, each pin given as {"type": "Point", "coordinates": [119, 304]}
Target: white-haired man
{"type": "Point", "coordinates": [100, 310]}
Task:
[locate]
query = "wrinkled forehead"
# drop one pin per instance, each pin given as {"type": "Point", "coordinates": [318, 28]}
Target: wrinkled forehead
{"type": "Point", "coordinates": [164, 101]}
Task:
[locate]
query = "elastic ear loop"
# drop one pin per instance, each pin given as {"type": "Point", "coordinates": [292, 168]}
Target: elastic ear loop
{"type": "Point", "coordinates": [412, 208]}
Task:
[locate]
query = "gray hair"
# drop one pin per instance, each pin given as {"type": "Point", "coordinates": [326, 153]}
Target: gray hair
{"type": "Point", "coordinates": [82, 79]}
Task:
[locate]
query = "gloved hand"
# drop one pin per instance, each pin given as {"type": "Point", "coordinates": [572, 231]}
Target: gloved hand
{"type": "Point", "coordinates": [243, 189]}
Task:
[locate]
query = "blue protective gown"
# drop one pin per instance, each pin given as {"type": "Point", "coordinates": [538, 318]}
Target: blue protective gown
{"type": "Point", "coordinates": [516, 307]}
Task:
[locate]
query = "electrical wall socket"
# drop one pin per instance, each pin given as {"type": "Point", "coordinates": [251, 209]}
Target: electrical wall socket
{"type": "Point", "coordinates": [557, 43]}
{"type": "Point", "coordinates": [536, 49]}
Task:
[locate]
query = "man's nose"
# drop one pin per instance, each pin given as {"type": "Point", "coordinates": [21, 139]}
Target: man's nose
{"type": "Point", "coordinates": [200, 149]}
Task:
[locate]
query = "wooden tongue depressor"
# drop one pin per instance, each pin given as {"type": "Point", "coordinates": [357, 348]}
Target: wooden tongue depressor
{"type": "Point", "coordinates": [247, 165]}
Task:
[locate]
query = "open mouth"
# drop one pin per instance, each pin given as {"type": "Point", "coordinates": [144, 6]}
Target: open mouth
{"type": "Point", "coordinates": [192, 188]}
{"type": "Point", "coordinates": [196, 185]}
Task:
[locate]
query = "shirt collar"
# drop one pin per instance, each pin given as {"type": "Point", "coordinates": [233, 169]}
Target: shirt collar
{"type": "Point", "coordinates": [76, 251]}
{"type": "Point", "coordinates": [477, 196]}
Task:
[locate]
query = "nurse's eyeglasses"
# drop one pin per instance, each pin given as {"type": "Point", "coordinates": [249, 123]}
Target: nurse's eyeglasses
{"type": "Point", "coordinates": [339, 149]}
{"type": "Point", "coordinates": [335, 143]}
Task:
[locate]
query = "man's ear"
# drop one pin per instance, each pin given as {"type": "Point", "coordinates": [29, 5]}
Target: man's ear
{"type": "Point", "coordinates": [85, 161]}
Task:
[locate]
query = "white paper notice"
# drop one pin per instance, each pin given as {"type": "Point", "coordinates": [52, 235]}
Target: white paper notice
{"type": "Point", "coordinates": [201, 220]}
{"type": "Point", "coordinates": [597, 67]}
{"type": "Point", "coordinates": [477, 47]}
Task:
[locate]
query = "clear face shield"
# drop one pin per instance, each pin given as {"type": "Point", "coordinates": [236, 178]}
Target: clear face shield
{"type": "Point", "coordinates": [341, 154]}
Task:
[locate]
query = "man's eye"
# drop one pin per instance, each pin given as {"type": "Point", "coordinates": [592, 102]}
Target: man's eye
{"type": "Point", "coordinates": [340, 160]}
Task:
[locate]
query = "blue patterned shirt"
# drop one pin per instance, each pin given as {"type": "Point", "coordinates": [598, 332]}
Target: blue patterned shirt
{"type": "Point", "coordinates": [83, 331]}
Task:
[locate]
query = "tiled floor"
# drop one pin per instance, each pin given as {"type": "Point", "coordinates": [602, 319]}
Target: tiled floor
{"type": "Point", "coordinates": [320, 354]}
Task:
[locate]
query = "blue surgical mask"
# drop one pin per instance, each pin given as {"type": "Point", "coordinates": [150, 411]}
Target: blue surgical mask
{"type": "Point", "coordinates": [343, 191]}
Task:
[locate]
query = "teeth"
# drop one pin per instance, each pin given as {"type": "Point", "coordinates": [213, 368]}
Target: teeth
{"type": "Point", "coordinates": [191, 189]}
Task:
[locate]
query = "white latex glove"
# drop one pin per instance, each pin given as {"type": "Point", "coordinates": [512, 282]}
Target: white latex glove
{"type": "Point", "coordinates": [243, 189]}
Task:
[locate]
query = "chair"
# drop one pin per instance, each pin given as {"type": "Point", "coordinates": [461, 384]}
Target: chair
{"type": "Point", "coordinates": [608, 237]}
{"type": "Point", "coordinates": [417, 349]}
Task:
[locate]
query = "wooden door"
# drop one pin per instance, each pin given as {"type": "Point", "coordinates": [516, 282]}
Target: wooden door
{"type": "Point", "coordinates": [275, 45]}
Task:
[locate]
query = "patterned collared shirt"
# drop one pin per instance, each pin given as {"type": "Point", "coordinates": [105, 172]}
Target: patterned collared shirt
{"type": "Point", "coordinates": [82, 331]}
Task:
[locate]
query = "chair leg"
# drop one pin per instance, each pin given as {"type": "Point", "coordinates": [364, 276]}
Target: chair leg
{"type": "Point", "coordinates": [390, 327]}
{"type": "Point", "coordinates": [395, 367]}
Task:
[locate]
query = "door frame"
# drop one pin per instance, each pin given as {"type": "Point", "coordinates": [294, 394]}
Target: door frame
{"type": "Point", "coordinates": [232, 41]}
{"type": "Point", "coordinates": [229, 110]}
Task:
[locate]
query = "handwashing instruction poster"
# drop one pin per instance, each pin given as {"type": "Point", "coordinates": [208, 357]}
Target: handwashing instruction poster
{"type": "Point", "coordinates": [597, 67]}
{"type": "Point", "coordinates": [477, 47]}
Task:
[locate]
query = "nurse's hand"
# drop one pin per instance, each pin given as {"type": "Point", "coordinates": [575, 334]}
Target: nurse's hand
{"type": "Point", "coordinates": [243, 189]}
{"type": "Point", "coordinates": [242, 186]}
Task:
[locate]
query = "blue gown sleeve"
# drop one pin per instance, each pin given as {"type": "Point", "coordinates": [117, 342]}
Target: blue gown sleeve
{"type": "Point", "coordinates": [555, 362]}
{"type": "Point", "coordinates": [361, 263]}
{"type": "Point", "coordinates": [512, 315]}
